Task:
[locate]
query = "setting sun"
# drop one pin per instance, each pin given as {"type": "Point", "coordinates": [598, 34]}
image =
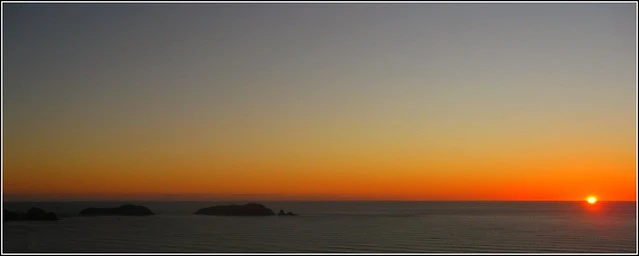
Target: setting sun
{"type": "Point", "coordinates": [591, 199]}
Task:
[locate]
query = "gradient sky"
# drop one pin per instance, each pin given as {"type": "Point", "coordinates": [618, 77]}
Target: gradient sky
{"type": "Point", "coordinates": [320, 101]}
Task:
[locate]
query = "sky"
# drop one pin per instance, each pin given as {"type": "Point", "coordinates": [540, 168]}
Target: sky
{"type": "Point", "coordinates": [419, 101]}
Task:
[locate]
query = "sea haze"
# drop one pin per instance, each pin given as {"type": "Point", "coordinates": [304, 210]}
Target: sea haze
{"type": "Point", "coordinates": [334, 227]}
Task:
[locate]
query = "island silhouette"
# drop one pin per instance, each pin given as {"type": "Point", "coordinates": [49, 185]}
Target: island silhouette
{"type": "Point", "coordinates": [250, 209]}
{"type": "Point", "coordinates": [32, 214]}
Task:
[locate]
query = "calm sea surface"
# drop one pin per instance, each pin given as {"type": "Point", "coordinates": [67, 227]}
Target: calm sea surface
{"type": "Point", "coordinates": [427, 227]}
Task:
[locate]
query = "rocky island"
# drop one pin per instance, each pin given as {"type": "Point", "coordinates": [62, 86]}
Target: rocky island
{"type": "Point", "coordinates": [33, 214]}
{"type": "Point", "coordinates": [124, 210]}
{"type": "Point", "coordinates": [251, 209]}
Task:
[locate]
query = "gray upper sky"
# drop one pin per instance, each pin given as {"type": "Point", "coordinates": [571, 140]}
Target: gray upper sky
{"type": "Point", "coordinates": [194, 77]}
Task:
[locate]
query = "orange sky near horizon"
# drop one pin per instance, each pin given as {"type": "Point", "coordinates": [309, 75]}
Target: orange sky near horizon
{"type": "Point", "coordinates": [410, 173]}
{"type": "Point", "coordinates": [320, 102]}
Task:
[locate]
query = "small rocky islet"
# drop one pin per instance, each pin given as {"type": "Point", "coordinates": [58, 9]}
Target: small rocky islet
{"type": "Point", "coordinates": [250, 209]}
{"type": "Point", "coordinates": [286, 214]}
{"type": "Point", "coordinates": [33, 214]}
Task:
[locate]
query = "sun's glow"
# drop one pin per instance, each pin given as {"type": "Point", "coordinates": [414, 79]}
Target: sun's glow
{"type": "Point", "coordinates": [591, 199]}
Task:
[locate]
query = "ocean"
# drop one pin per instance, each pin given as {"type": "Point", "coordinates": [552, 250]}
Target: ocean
{"type": "Point", "coordinates": [328, 227]}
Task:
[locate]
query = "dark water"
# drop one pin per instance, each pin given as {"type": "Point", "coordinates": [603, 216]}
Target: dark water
{"type": "Point", "coordinates": [422, 227]}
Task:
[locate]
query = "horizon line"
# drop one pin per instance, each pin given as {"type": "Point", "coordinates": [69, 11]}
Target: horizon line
{"type": "Point", "coordinates": [280, 200]}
